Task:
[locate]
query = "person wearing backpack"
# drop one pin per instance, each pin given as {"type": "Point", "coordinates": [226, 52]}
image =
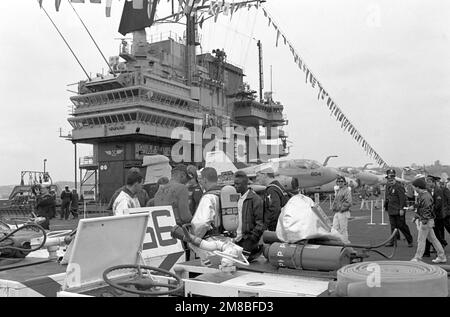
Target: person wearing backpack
{"type": "Point", "coordinates": [206, 221]}
{"type": "Point", "coordinates": [275, 198]}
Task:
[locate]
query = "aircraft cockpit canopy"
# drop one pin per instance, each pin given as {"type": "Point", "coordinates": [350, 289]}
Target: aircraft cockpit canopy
{"type": "Point", "coordinates": [301, 164]}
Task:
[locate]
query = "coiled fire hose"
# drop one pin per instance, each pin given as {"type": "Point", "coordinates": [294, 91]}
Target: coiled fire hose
{"type": "Point", "coordinates": [391, 279]}
{"type": "Point", "coordinates": [7, 243]}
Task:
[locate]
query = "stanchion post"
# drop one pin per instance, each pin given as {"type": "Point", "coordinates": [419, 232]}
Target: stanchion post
{"type": "Point", "coordinates": [371, 215]}
{"type": "Point", "coordinates": [84, 209]}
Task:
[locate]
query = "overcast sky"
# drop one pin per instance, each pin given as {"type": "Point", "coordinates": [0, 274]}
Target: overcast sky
{"type": "Point", "coordinates": [386, 63]}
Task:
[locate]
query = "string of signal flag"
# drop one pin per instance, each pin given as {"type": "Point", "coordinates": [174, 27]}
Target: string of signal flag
{"type": "Point", "coordinates": [322, 95]}
{"type": "Point", "coordinates": [184, 6]}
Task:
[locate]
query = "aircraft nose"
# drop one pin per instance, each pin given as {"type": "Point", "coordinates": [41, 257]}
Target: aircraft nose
{"type": "Point", "coordinates": [331, 173]}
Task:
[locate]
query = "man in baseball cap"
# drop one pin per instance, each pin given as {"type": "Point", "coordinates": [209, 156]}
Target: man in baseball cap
{"type": "Point", "coordinates": [395, 200]}
{"type": "Point", "coordinates": [391, 173]}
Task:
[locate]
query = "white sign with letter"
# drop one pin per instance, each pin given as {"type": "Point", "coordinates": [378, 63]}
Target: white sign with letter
{"type": "Point", "coordinates": [158, 240]}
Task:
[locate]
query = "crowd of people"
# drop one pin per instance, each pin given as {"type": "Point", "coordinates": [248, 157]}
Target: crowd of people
{"type": "Point", "coordinates": [196, 200]}
{"type": "Point", "coordinates": [46, 206]}
{"type": "Point", "coordinates": [427, 197]}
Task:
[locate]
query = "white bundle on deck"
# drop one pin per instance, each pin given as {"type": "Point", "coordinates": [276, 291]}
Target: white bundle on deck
{"type": "Point", "coordinates": [157, 167]}
{"type": "Point", "coordinates": [301, 220]}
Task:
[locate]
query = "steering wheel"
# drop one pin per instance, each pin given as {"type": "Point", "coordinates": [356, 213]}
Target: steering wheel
{"type": "Point", "coordinates": [144, 282]}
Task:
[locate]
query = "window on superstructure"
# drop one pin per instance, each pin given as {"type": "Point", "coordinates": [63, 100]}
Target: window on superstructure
{"type": "Point", "coordinates": [96, 100]}
{"type": "Point", "coordinates": [102, 120]}
{"type": "Point", "coordinates": [108, 119]}
{"type": "Point", "coordinates": [127, 116]}
{"type": "Point", "coordinates": [96, 121]}
{"type": "Point", "coordinates": [133, 116]}
{"type": "Point", "coordinates": [114, 119]}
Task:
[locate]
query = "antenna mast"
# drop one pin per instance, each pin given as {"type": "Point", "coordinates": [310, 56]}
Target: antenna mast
{"type": "Point", "coordinates": [261, 71]}
{"type": "Point", "coordinates": [271, 79]}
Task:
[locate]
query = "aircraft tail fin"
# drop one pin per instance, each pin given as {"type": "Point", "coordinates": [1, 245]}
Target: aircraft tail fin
{"type": "Point", "coordinates": [220, 162]}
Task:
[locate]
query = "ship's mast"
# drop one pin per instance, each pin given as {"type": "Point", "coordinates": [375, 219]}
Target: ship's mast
{"type": "Point", "coordinates": [191, 44]}
{"type": "Point", "coordinates": [139, 37]}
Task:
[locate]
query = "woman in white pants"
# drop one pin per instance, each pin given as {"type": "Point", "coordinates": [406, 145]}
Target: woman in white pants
{"type": "Point", "coordinates": [341, 207]}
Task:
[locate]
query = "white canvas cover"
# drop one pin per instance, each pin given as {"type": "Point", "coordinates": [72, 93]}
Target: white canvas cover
{"type": "Point", "coordinates": [301, 220]}
{"type": "Point", "coordinates": [157, 167]}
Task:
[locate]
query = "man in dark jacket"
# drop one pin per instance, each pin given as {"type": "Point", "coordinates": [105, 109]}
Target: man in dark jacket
{"type": "Point", "coordinates": [395, 201]}
{"type": "Point", "coordinates": [74, 204]}
{"type": "Point", "coordinates": [446, 206]}
{"type": "Point", "coordinates": [45, 205]}
{"type": "Point", "coordinates": [425, 222]}
{"type": "Point", "coordinates": [194, 188]}
{"type": "Point", "coordinates": [438, 210]}
{"type": "Point", "coordinates": [66, 197]}
{"type": "Point", "coordinates": [251, 224]}
{"type": "Point", "coordinates": [275, 198]}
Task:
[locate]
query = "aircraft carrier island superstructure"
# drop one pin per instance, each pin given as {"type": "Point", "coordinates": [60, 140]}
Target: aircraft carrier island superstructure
{"type": "Point", "coordinates": [132, 112]}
